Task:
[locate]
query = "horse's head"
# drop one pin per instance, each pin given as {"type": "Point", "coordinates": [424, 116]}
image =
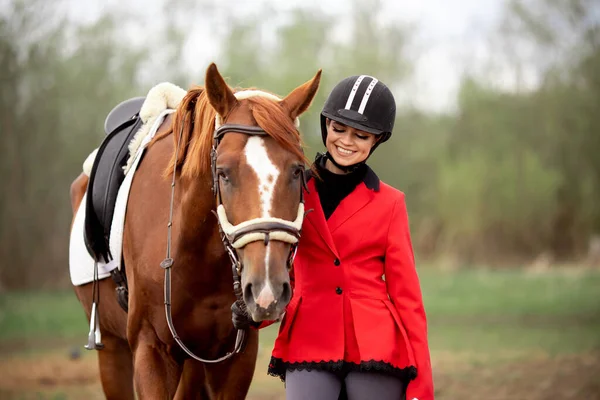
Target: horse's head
{"type": "Point", "coordinates": [258, 175]}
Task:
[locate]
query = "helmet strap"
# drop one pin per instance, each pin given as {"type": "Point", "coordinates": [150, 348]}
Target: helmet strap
{"type": "Point", "coordinates": [380, 139]}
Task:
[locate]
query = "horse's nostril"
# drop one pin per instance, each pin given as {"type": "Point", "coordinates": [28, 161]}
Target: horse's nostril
{"type": "Point", "coordinates": [248, 295]}
{"type": "Point", "coordinates": [286, 293]}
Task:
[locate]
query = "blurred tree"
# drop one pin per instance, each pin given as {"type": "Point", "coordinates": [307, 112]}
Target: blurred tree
{"type": "Point", "coordinates": [512, 174]}
{"type": "Point", "coordinates": [59, 80]}
{"type": "Point", "coordinates": [524, 164]}
{"type": "Point", "coordinates": [306, 41]}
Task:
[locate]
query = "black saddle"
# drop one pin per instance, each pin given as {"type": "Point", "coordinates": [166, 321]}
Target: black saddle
{"type": "Point", "coordinates": [107, 175]}
{"type": "Point", "coordinates": [122, 112]}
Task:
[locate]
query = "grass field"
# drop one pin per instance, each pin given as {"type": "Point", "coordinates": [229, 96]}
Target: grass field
{"type": "Point", "coordinates": [493, 335]}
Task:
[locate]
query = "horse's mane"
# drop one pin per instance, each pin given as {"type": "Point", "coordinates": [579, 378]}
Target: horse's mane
{"type": "Point", "coordinates": [198, 119]}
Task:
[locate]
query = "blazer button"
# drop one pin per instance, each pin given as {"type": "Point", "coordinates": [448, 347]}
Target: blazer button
{"type": "Point", "coordinates": [336, 262]}
{"type": "Point", "coordinates": [338, 290]}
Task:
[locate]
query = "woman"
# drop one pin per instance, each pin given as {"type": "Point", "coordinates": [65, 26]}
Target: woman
{"type": "Point", "coordinates": [356, 317]}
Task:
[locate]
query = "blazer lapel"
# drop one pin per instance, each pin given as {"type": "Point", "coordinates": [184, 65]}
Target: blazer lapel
{"type": "Point", "coordinates": [349, 206]}
{"type": "Point", "coordinates": [316, 217]}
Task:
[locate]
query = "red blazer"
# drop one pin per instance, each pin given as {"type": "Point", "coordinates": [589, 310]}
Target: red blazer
{"type": "Point", "coordinates": [355, 273]}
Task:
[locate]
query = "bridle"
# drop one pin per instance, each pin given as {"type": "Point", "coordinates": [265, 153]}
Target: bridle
{"type": "Point", "coordinates": [233, 236]}
{"type": "Point", "coordinates": [256, 229]}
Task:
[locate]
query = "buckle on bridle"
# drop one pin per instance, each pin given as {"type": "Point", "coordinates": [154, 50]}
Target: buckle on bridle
{"type": "Point", "coordinates": [166, 263]}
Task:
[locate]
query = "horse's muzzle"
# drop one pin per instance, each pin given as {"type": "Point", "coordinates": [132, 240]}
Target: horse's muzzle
{"type": "Point", "coordinates": [267, 300]}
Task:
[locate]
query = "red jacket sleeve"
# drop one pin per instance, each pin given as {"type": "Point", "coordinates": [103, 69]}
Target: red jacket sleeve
{"type": "Point", "coordinates": [405, 293]}
{"type": "Point", "coordinates": [264, 324]}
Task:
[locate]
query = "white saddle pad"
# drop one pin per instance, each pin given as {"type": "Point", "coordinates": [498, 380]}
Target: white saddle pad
{"type": "Point", "coordinates": [81, 264]}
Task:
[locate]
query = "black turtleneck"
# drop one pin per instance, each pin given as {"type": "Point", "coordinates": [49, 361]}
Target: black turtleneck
{"type": "Point", "coordinates": [333, 188]}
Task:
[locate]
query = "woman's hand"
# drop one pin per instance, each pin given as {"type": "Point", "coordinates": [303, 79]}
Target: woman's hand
{"type": "Point", "coordinates": [240, 317]}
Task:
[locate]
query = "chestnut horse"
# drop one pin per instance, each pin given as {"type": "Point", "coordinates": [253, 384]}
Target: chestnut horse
{"type": "Point", "coordinates": [257, 171]}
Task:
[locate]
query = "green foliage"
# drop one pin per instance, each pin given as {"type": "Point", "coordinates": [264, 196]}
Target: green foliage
{"type": "Point", "coordinates": [509, 175]}
{"type": "Point", "coordinates": [306, 43]}
{"type": "Point", "coordinates": [524, 165]}
{"type": "Point", "coordinates": [496, 175]}
{"type": "Point", "coordinates": [61, 80]}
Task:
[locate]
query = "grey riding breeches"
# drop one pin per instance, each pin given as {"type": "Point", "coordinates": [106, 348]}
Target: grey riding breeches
{"type": "Point", "coordinates": [324, 385]}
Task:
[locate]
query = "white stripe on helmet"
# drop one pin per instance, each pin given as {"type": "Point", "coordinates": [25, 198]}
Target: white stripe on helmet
{"type": "Point", "coordinates": [367, 94]}
{"type": "Point", "coordinates": [353, 91]}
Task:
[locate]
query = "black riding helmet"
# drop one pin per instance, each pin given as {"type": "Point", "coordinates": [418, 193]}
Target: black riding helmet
{"type": "Point", "coordinates": [361, 102]}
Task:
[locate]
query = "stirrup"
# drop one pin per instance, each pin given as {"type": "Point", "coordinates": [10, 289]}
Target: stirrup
{"type": "Point", "coordinates": [94, 336]}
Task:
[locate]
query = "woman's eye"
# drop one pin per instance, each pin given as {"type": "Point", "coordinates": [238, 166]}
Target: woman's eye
{"type": "Point", "coordinates": [337, 129]}
{"type": "Point", "coordinates": [362, 137]}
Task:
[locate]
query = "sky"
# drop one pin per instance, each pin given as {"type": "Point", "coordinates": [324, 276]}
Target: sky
{"type": "Point", "coordinates": [451, 37]}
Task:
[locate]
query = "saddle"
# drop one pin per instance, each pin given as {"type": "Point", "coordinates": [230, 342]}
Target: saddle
{"type": "Point", "coordinates": [107, 176]}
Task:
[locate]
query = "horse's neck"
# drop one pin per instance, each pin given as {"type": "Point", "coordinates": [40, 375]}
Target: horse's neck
{"type": "Point", "coordinates": [198, 234]}
{"type": "Point", "coordinates": [196, 203]}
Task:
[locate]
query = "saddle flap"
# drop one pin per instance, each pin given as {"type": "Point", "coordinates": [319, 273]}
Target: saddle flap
{"type": "Point", "coordinates": [106, 178]}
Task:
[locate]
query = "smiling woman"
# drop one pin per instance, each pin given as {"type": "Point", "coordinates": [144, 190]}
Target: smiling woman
{"type": "Point", "coordinates": [348, 146]}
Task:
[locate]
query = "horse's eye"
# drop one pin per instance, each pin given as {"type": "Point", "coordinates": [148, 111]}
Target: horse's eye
{"type": "Point", "coordinates": [222, 175]}
{"type": "Point", "coordinates": [298, 172]}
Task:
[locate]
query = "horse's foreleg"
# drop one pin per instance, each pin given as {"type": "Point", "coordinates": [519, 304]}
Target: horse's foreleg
{"type": "Point", "coordinates": [115, 360]}
{"type": "Point", "coordinates": [116, 368]}
{"type": "Point", "coordinates": [156, 374]}
{"type": "Point", "coordinates": [192, 385]}
{"type": "Point", "coordinates": [230, 380]}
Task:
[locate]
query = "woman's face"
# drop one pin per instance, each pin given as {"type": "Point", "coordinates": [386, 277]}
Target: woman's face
{"type": "Point", "coordinates": [348, 145]}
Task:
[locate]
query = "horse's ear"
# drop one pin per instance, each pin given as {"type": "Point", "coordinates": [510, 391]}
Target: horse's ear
{"type": "Point", "coordinates": [300, 98]}
{"type": "Point", "coordinates": [220, 96]}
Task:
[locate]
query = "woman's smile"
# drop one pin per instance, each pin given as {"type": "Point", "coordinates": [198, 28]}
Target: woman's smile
{"type": "Point", "coordinates": [344, 152]}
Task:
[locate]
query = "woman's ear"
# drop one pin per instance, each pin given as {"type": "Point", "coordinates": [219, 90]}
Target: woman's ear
{"type": "Point", "coordinates": [378, 139]}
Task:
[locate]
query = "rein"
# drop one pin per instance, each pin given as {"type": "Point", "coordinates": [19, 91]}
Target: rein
{"type": "Point", "coordinates": [233, 237]}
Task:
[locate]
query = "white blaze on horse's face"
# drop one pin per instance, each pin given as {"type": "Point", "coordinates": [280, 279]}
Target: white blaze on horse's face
{"type": "Point", "coordinates": [258, 159]}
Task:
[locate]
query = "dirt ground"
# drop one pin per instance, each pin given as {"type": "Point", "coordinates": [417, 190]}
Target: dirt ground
{"type": "Point", "coordinates": [494, 335]}
{"type": "Point", "coordinates": [536, 377]}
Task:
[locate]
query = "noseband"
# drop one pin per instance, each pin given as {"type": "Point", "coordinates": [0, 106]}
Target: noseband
{"type": "Point", "coordinates": [233, 236]}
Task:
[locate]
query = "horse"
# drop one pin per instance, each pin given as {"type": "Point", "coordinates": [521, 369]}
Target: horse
{"type": "Point", "coordinates": [236, 152]}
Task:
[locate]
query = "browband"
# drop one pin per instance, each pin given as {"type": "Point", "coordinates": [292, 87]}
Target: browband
{"type": "Point", "coordinates": [245, 129]}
